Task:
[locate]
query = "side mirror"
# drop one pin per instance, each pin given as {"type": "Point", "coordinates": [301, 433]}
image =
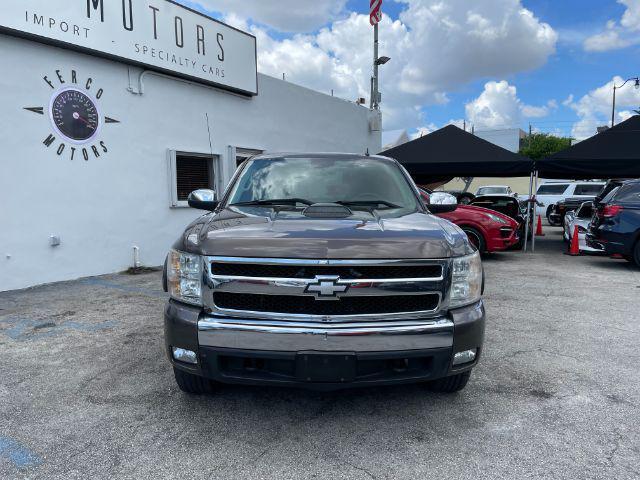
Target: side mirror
{"type": "Point", "coordinates": [442, 208]}
{"type": "Point", "coordinates": [442, 198]}
{"type": "Point", "coordinates": [203, 199]}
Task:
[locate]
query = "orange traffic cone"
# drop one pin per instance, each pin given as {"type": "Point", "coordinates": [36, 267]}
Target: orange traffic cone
{"type": "Point", "coordinates": [574, 248]}
{"type": "Point", "coordinates": [539, 228]}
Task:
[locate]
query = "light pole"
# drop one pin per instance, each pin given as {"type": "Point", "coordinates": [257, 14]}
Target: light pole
{"type": "Point", "coordinates": [377, 61]}
{"type": "Point", "coordinates": [613, 109]}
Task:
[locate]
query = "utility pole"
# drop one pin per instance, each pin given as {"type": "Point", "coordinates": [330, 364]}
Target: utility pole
{"type": "Point", "coordinates": [375, 16]}
{"type": "Point", "coordinates": [375, 104]}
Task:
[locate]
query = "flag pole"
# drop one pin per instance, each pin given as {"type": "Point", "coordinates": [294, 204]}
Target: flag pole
{"type": "Point", "coordinates": [374, 83]}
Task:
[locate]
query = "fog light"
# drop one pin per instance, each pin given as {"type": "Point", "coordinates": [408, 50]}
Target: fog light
{"type": "Point", "coordinates": [182, 355]}
{"type": "Point", "coordinates": [464, 357]}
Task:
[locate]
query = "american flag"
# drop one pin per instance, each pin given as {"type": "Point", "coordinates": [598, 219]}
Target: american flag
{"type": "Point", "coordinates": [375, 11]}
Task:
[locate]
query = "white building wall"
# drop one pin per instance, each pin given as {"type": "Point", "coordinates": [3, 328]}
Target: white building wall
{"type": "Point", "coordinates": [102, 207]}
{"type": "Point", "coordinates": [508, 138]}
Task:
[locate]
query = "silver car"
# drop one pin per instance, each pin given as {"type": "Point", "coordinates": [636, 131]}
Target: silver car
{"type": "Point", "coordinates": [580, 218]}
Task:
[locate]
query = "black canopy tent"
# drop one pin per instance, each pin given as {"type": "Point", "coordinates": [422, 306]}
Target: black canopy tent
{"type": "Point", "coordinates": [452, 152]}
{"type": "Point", "coordinates": [614, 153]}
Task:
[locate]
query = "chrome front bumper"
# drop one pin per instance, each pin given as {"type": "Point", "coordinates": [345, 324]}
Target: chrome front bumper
{"type": "Point", "coordinates": [252, 334]}
{"type": "Point", "coordinates": [223, 344]}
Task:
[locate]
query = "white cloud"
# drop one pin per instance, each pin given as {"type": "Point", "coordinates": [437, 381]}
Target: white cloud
{"type": "Point", "coordinates": [607, 40]}
{"type": "Point", "coordinates": [424, 130]}
{"type": "Point", "coordinates": [498, 106]}
{"type": "Point", "coordinates": [281, 15]}
{"type": "Point", "coordinates": [631, 16]}
{"type": "Point", "coordinates": [531, 111]}
{"type": "Point", "coordinates": [594, 108]}
{"type": "Point", "coordinates": [618, 34]}
{"type": "Point", "coordinates": [458, 122]}
{"type": "Point", "coordinates": [435, 47]}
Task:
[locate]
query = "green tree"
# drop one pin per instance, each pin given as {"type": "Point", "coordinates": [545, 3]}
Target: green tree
{"type": "Point", "coordinates": [542, 145]}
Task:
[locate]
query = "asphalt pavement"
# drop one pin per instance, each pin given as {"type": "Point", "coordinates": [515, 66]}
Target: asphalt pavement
{"type": "Point", "coordinates": [86, 390]}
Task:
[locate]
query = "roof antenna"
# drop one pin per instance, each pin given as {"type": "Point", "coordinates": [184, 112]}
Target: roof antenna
{"type": "Point", "coordinates": [367, 152]}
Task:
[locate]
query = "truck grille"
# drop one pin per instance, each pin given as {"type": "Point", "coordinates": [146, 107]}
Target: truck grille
{"type": "Point", "coordinates": [310, 271]}
{"type": "Point", "coordinates": [326, 290]}
{"type": "Point", "coordinates": [309, 305]}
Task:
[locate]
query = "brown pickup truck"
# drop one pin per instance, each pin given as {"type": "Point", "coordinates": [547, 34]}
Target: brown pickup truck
{"type": "Point", "coordinates": [324, 271]}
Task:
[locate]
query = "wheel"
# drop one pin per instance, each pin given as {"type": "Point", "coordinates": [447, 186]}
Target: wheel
{"type": "Point", "coordinates": [191, 383]}
{"type": "Point", "coordinates": [636, 253]}
{"type": "Point", "coordinates": [476, 238]}
{"type": "Point", "coordinates": [548, 215]}
{"type": "Point", "coordinates": [451, 384]}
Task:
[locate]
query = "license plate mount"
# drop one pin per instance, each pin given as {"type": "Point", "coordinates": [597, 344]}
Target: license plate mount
{"type": "Point", "coordinates": [339, 367]}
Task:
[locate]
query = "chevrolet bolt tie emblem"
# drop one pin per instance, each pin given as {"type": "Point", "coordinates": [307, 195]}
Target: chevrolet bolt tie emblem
{"type": "Point", "coordinates": [326, 287]}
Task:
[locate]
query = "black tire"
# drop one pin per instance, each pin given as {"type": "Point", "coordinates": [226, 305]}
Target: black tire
{"type": "Point", "coordinates": [548, 215]}
{"type": "Point", "coordinates": [636, 253]}
{"type": "Point", "coordinates": [476, 238]}
{"type": "Point", "coordinates": [451, 384]}
{"type": "Point", "coordinates": [190, 383]}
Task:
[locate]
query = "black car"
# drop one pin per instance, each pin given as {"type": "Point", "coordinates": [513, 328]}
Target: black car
{"type": "Point", "coordinates": [615, 227]}
{"type": "Point", "coordinates": [464, 198]}
{"type": "Point", "coordinates": [509, 206]}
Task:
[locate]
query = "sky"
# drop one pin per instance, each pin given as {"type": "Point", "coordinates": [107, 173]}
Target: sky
{"type": "Point", "coordinates": [545, 64]}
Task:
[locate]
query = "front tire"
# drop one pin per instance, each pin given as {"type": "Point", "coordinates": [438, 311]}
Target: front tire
{"type": "Point", "coordinates": [451, 384]}
{"type": "Point", "coordinates": [476, 238]}
{"type": "Point", "coordinates": [190, 383]}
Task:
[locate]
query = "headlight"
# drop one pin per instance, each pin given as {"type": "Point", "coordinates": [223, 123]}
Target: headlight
{"type": "Point", "coordinates": [496, 218]}
{"type": "Point", "coordinates": [184, 277]}
{"type": "Point", "coordinates": [466, 285]}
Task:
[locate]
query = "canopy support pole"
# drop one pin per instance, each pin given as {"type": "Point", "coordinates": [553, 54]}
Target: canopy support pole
{"type": "Point", "coordinates": [526, 222]}
{"type": "Point", "coordinates": [535, 202]}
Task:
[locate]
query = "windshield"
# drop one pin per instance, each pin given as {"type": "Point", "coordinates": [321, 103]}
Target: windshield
{"type": "Point", "coordinates": [552, 189]}
{"type": "Point", "coordinates": [610, 195]}
{"type": "Point", "coordinates": [324, 180]}
{"type": "Point", "coordinates": [491, 190]}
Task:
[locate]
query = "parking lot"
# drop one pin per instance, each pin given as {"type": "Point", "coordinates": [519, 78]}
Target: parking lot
{"type": "Point", "coordinates": [87, 392]}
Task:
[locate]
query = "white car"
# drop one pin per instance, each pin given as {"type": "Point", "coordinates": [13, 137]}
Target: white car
{"type": "Point", "coordinates": [580, 218]}
{"type": "Point", "coordinates": [551, 192]}
{"type": "Point", "coordinates": [495, 190]}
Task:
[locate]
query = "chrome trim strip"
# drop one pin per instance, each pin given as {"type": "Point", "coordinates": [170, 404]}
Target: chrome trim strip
{"type": "Point", "coordinates": [297, 287]}
{"type": "Point", "coordinates": [288, 337]}
{"type": "Point", "coordinates": [213, 323]}
{"type": "Point", "coordinates": [324, 262]}
{"type": "Point", "coordinates": [306, 281]}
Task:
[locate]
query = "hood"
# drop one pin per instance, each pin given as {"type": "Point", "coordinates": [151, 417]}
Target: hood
{"type": "Point", "coordinates": [473, 208]}
{"type": "Point", "coordinates": [260, 232]}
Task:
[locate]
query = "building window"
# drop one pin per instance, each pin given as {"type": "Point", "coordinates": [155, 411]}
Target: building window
{"type": "Point", "coordinates": [189, 172]}
{"type": "Point", "coordinates": [243, 153]}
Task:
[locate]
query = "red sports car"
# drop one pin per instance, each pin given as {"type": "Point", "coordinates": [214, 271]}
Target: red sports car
{"type": "Point", "coordinates": [488, 230]}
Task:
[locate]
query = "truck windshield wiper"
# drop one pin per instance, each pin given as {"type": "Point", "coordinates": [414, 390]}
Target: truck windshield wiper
{"type": "Point", "coordinates": [368, 203]}
{"type": "Point", "coordinates": [272, 201]}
